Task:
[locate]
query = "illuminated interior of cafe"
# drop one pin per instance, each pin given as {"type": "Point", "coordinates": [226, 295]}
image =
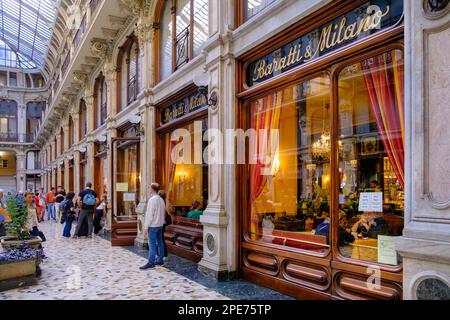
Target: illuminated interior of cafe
{"type": "Point", "coordinates": [289, 197]}
{"type": "Point", "coordinates": [128, 176]}
{"type": "Point", "coordinates": [186, 184]}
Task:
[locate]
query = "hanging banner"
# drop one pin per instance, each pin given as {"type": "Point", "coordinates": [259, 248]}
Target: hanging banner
{"type": "Point", "coordinates": [365, 20]}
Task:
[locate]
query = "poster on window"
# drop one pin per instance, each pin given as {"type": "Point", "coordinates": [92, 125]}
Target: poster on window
{"type": "Point", "coordinates": [371, 202]}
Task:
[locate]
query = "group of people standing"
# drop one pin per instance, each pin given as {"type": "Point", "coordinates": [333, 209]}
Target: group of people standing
{"type": "Point", "coordinates": [87, 210]}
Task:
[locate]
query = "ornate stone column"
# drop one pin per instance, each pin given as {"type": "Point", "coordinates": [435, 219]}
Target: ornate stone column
{"type": "Point", "coordinates": [76, 171]}
{"type": "Point", "coordinates": [22, 121]}
{"type": "Point", "coordinates": [425, 245]}
{"type": "Point", "coordinates": [66, 175]}
{"type": "Point", "coordinates": [21, 171]}
{"type": "Point", "coordinates": [219, 218]}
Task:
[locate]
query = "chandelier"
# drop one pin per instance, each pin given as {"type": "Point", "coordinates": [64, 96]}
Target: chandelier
{"type": "Point", "coordinates": [321, 149]}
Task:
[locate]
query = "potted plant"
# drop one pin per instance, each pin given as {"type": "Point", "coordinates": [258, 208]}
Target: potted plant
{"type": "Point", "coordinates": [16, 234]}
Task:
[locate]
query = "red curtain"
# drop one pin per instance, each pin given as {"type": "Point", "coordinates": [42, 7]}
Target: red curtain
{"type": "Point", "coordinates": [265, 116]}
{"type": "Point", "coordinates": [383, 76]}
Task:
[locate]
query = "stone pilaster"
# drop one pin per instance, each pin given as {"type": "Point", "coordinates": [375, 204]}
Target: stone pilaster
{"type": "Point", "coordinates": [219, 228]}
{"type": "Point", "coordinates": [76, 171]}
{"type": "Point", "coordinates": [425, 245]}
{"type": "Point", "coordinates": [22, 121]}
{"type": "Point", "coordinates": [21, 177]}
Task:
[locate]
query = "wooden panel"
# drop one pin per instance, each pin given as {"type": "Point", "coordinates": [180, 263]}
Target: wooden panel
{"type": "Point", "coordinates": [357, 287]}
{"type": "Point", "coordinates": [184, 237]}
{"type": "Point", "coordinates": [123, 234]}
{"type": "Point", "coordinates": [313, 276]}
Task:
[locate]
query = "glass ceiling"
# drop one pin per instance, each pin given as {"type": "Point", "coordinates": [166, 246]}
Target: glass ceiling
{"type": "Point", "coordinates": [25, 30]}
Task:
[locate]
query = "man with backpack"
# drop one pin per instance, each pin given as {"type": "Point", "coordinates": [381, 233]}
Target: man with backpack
{"type": "Point", "coordinates": [87, 200]}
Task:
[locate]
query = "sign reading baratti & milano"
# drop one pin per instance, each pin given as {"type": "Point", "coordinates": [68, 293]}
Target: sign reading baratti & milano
{"type": "Point", "coordinates": [359, 23]}
{"type": "Point", "coordinates": [191, 103]}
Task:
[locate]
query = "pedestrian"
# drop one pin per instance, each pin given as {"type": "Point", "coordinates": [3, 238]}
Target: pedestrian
{"type": "Point", "coordinates": [87, 200]}
{"type": "Point", "coordinates": [99, 215]}
{"type": "Point", "coordinates": [42, 205]}
{"type": "Point", "coordinates": [50, 200]}
{"type": "Point", "coordinates": [31, 225]}
{"type": "Point", "coordinates": [167, 220]}
{"type": "Point", "coordinates": [68, 213]}
{"type": "Point", "coordinates": [153, 226]}
{"type": "Point", "coordinates": [60, 195]}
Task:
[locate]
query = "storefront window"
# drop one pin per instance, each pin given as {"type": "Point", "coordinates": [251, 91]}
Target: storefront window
{"type": "Point", "coordinates": [371, 166]}
{"type": "Point", "coordinates": [253, 7]}
{"type": "Point", "coordinates": [186, 183]}
{"type": "Point", "coordinates": [127, 178]}
{"type": "Point", "coordinates": [290, 181]}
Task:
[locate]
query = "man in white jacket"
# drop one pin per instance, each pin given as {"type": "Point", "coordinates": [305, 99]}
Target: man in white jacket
{"type": "Point", "coordinates": [153, 225]}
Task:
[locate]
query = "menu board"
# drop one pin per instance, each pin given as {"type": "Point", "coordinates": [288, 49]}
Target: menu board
{"type": "Point", "coordinates": [386, 250]}
{"type": "Point", "coordinates": [371, 201]}
{"type": "Point", "coordinates": [122, 187]}
{"type": "Point", "coordinates": [129, 197]}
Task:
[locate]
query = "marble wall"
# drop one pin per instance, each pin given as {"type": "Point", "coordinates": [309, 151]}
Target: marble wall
{"type": "Point", "coordinates": [425, 244]}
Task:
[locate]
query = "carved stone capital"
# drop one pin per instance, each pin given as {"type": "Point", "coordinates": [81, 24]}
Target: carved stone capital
{"type": "Point", "coordinates": [145, 33]}
{"type": "Point", "coordinates": [140, 8]}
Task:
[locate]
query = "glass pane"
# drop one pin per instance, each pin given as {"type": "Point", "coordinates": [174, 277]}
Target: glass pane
{"type": "Point", "coordinates": [186, 184]}
{"type": "Point", "coordinates": [183, 15]}
{"type": "Point", "coordinates": [128, 180]}
{"type": "Point", "coordinates": [165, 59]}
{"type": "Point", "coordinates": [371, 167]}
{"type": "Point", "coordinates": [200, 24]}
{"type": "Point", "coordinates": [253, 7]}
{"type": "Point", "coordinates": [290, 180]}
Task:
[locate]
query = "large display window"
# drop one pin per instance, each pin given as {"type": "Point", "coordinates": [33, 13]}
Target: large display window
{"type": "Point", "coordinates": [290, 195]}
{"type": "Point", "coordinates": [320, 209]}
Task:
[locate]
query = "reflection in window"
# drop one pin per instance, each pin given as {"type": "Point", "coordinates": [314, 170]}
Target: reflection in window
{"type": "Point", "coordinates": [34, 115]}
{"type": "Point", "coordinates": [8, 120]}
{"type": "Point", "coordinates": [253, 7]}
{"type": "Point", "coordinates": [182, 43]}
{"type": "Point", "coordinates": [290, 184]}
{"type": "Point", "coordinates": [371, 123]}
{"type": "Point", "coordinates": [186, 184]}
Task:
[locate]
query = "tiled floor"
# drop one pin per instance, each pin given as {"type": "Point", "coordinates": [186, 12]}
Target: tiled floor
{"type": "Point", "coordinates": [81, 269]}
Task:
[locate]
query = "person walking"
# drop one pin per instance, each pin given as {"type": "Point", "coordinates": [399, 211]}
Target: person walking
{"type": "Point", "coordinates": [41, 203]}
{"type": "Point", "coordinates": [60, 195]}
{"type": "Point", "coordinates": [100, 213]}
{"type": "Point", "coordinates": [87, 200]}
{"type": "Point", "coordinates": [68, 213]}
{"type": "Point", "coordinates": [50, 200]}
{"type": "Point", "coordinates": [153, 226]}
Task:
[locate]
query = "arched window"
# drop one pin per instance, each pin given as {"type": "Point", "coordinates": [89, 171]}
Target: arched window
{"type": "Point", "coordinates": [83, 119]}
{"type": "Point", "coordinates": [100, 101]}
{"type": "Point", "coordinates": [8, 120]}
{"type": "Point", "coordinates": [34, 114]}
{"type": "Point", "coordinates": [183, 30]}
{"type": "Point", "coordinates": [129, 72]}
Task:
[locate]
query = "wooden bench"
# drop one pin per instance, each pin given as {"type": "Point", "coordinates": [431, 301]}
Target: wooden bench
{"type": "Point", "coordinates": [184, 237]}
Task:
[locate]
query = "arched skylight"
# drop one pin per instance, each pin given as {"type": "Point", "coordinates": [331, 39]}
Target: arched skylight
{"type": "Point", "coordinates": [25, 31]}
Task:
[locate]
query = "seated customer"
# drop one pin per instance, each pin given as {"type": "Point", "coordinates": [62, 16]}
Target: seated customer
{"type": "Point", "coordinates": [345, 235]}
{"type": "Point", "coordinates": [195, 211]}
{"type": "Point", "coordinates": [370, 225]}
{"type": "Point", "coordinates": [323, 229]}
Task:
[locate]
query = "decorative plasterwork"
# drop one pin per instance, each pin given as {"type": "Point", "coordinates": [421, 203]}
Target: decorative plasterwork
{"type": "Point", "coordinates": [434, 9]}
{"type": "Point", "coordinates": [144, 32]}
{"type": "Point", "coordinates": [138, 8]}
{"type": "Point", "coordinates": [80, 77]}
{"type": "Point", "coordinates": [100, 48]}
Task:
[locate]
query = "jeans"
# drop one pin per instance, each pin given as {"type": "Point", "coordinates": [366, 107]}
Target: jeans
{"type": "Point", "coordinates": [67, 228]}
{"type": "Point", "coordinates": [58, 213]}
{"type": "Point", "coordinates": [51, 211]}
{"type": "Point", "coordinates": [97, 221]}
{"type": "Point", "coordinates": [85, 214]}
{"type": "Point", "coordinates": [155, 242]}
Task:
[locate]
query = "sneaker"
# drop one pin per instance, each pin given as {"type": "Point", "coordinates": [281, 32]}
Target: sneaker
{"type": "Point", "coordinates": [159, 263]}
{"type": "Point", "coordinates": [147, 266]}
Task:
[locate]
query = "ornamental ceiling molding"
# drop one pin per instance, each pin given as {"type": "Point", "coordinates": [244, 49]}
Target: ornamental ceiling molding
{"type": "Point", "coordinates": [101, 49]}
{"type": "Point", "coordinates": [145, 32]}
{"type": "Point", "coordinates": [140, 8]}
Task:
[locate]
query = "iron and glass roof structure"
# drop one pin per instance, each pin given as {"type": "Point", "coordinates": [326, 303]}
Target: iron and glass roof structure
{"type": "Point", "coordinates": [26, 27]}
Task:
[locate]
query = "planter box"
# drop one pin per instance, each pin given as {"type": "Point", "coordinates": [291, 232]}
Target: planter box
{"type": "Point", "coordinates": [8, 244]}
{"type": "Point", "coordinates": [13, 270]}
{"type": "Point", "coordinates": [19, 274]}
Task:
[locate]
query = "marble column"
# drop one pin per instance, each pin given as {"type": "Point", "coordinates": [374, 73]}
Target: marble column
{"type": "Point", "coordinates": [76, 171]}
{"type": "Point", "coordinates": [425, 245]}
{"type": "Point", "coordinates": [218, 219]}
{"type": "Point", "coordinates": [21, 177]}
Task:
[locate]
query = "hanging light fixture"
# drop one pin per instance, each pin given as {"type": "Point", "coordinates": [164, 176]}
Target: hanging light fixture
{"type": "Point", "coordinates": [321, 149]}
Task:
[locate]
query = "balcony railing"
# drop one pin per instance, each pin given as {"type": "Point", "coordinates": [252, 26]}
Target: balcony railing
{"type": "Point", "coordinates": [80, 33]}
{"type": "Point", "coordinates": [182, 48]}
{"type": "Point", "coordinates": [132, 90]}
{"type": "Point", "coordinates": [94, 5]}
{"type": "Point", "coordinates": [65, 64]}
{"type": "Point", "coordinates": [16, 137]}
{"type": "Point", "coordinates": [103, 113]}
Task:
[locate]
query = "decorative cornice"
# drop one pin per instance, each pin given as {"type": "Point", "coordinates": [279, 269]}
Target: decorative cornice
{"type": "Point", "coordinates": [101, 49]}
{"type": "Point", "coordinates": [145, 32]}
